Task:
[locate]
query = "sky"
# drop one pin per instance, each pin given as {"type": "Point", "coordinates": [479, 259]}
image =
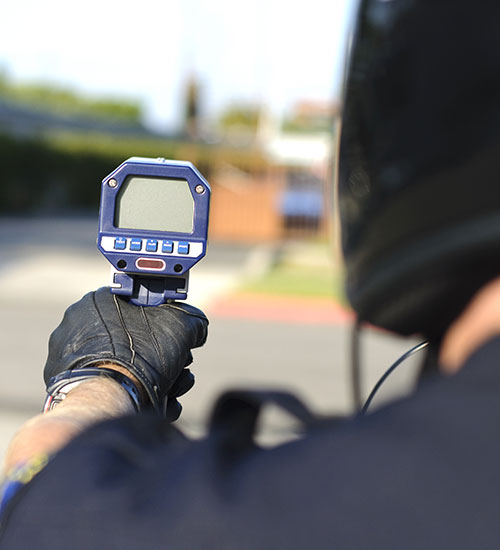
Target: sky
{"type": "Point", "coordinates": [273, 52]}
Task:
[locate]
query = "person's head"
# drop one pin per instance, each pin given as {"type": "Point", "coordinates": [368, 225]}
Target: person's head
{"type": "Point", "coordinates": [419, 166]}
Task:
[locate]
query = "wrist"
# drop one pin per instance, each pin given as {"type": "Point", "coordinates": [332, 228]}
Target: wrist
{"type": "Point", "coordinates": [143, 396]}
{"type": "Point", "coordinates": [66, 382]}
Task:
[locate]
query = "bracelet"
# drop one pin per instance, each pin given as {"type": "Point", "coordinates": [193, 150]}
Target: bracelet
{"type": "Point", "coordinates": [60, 385]}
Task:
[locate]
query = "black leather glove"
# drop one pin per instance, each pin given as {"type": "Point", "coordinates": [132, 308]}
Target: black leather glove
{"type": "Point", "coordinates": [153, 343]}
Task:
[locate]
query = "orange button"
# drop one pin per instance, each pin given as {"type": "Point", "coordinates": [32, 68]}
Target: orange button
{"type": "Point", "coordinates": [149, 263]}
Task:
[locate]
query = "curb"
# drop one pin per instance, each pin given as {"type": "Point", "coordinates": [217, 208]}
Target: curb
{"type": "Point", "coordinates": [282, 309]}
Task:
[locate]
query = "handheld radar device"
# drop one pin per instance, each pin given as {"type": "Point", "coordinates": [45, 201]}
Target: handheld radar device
{"type": "Point", "coordinates": [153, 223]}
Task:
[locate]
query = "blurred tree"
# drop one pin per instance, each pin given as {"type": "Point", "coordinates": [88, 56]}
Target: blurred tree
{"type": "Point", "coordinates": [3, 77]}
{"type": "Point", "coordinates": [240, 116]}
{"type": "Point", "coordinates": [192, 108]}
{"type": "Point", "coordinates": [59, 99]}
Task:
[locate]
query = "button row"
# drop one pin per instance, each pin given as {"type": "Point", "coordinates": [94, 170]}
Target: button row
{"type": "Point", "coordinates": [151, 245]}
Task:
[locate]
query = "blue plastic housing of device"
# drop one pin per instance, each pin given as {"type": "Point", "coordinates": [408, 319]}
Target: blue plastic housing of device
{"type": "Point", "coordinates": [147, 275]}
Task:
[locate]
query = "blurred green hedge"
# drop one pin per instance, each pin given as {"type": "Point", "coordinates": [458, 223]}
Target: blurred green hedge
{"type": "Point", "coordinates": [36, 177]}
{"type": "Point", "coordinates": [62, 173]}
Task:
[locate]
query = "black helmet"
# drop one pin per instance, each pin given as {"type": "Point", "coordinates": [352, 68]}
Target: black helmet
{"type": "Point", "coordinates": [419, 177]}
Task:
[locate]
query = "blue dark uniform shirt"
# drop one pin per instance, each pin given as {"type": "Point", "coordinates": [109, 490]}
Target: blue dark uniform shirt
{"type": "Point", "coordinates": [421, 473]}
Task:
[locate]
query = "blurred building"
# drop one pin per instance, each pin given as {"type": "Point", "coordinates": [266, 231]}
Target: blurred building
{"type": "Point", "coordinates": [291, 197]}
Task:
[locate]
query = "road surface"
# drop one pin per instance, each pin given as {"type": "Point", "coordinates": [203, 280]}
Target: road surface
{"type": "Point", "coordinates": [46, 264]}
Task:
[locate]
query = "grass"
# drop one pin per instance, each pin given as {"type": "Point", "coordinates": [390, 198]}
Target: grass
{"type": "Point", "coordinates": [323, 281]}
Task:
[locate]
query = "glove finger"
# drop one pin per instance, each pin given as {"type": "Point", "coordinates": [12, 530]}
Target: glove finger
{"type": "Point", "coordinates": [186, 308]}
{"type": "Point", "coordinates": [193, 320]}
{"type": "Point", "coordinates": [183, 384]}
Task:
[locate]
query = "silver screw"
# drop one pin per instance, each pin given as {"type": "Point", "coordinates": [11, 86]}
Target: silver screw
{"type": "Point", "coordinates": [112, 182]}
{"type": "Point", "coordinates": [199, 189]}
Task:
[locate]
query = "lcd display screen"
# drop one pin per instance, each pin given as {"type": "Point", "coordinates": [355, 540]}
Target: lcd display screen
{"type": "Point", "coordinates": [155, 204]}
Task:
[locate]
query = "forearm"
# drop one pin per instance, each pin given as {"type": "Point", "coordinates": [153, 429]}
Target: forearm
{"type": "Point", "coordinates": [90, 402]}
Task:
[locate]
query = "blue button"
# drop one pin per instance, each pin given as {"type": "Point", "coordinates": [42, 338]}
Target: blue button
{"type": "Point", "coordinates": [120, 243]}
{"type": "Point", "coordinates": [167, 247]}
{"type": "Point", "coordinates": [151, 245]}
{"type": "Point", "coordinates": [136, 245]}
{"type": "Point", "coordinates": [183, 248]}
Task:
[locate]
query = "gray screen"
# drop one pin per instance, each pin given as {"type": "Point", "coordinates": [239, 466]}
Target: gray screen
{"type": "Point", "coordinates": [155, 204]}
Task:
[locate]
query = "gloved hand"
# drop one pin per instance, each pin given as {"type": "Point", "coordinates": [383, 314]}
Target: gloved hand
{"type": "Point", "coordinates": [153, 343]}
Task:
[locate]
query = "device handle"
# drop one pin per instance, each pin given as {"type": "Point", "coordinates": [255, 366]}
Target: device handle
{"type": "Point", "coordinates": [150, 291]}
